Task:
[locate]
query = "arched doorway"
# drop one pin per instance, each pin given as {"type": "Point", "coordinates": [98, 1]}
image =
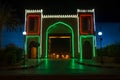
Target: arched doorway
{"type": "Point", "coordinates": [59, 33]}
{"type": "Point", "coordinates": [87, 50]}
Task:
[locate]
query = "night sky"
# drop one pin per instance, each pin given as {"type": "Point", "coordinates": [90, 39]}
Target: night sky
{"type": "Point", "coordinates": [106, 13]}
{"type": "Point", "coordinates": [106, 10]}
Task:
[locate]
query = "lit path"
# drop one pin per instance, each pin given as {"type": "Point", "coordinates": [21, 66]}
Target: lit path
{"type": "Point", "coordinates": [64, 67]}
{"type": "Point", "coordinates": [71, 67]}
{"type": "Point", "coordinates": [54, 67]}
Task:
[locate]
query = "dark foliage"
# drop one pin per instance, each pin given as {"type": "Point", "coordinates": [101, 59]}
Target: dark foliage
{"type": "Point", "coordinates": [110, 51]}
{"type": "Point", "coordinates": [10, 55]}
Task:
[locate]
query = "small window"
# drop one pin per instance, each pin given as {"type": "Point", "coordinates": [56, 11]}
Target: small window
{"type": "Point", "coordinates": [33, 24]}
{"type": "Point", "coordinates": [86, 24]}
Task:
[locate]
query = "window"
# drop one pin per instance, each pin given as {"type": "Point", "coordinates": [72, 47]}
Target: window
{"type": "Point", "coordinates": [86, 24]}
{"type": "Point", "coordinates": [33, 24]}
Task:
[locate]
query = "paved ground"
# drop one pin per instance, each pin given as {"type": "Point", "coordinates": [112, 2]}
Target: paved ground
{"type": "Point", "coordinates": [30, 63]}
{"type": "Point", "coordinates": [96, 64]}
{"type": "Point", "coordinates": [69, 68]}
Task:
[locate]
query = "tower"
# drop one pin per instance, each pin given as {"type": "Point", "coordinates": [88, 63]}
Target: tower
{"type": "Point", "coordinates": [86, 33]}
{"type": "Point", "coordinates": [33, 33]}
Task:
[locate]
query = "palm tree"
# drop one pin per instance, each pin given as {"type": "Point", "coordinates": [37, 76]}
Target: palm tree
{"type": "Point", "coordinates": [8, 18]}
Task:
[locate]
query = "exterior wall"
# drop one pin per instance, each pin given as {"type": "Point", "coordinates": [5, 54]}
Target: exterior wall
{"type": "Point", "coordinates": [70, 21]}
{"type": "Point", "coordinates": [82, 25]}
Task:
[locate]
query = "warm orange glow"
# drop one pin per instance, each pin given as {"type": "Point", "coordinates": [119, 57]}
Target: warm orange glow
{"type": "Point", "coordinates": [57, 56]}
{"type": "Point", "coordinates": [62, 56]}
{"type": "Point", "coordinates": [53, 53]}
{"type": "Point", "coordinates": [67, 56]}
{"type": "Point", "coordinates": [33, 52]}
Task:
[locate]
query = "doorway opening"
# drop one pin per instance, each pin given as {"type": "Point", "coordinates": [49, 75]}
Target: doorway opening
{"type": "Point", "coordinates": [59, 30]}
{"type": "Point", "coordinates": [59, 46]}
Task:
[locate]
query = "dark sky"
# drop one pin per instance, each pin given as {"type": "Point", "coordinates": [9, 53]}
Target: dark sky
{"type": "Point", "coordinates": [106, 10]}
{"type": "Point", "coordinates": [107, 13]}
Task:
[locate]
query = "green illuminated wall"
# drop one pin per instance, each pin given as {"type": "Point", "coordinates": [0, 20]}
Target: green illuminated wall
{"type": "Point", "coordinates": [59, 25]}
{"type": "Point", "coordinates": [91, 40]}
{"type": "Point", "coordinates": [32, 38]}
{"type": "Point", "coordinates": [63, 25]}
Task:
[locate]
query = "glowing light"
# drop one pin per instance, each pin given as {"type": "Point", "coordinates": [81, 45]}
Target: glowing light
{"type": "Point", "coordinates": [41, 33]}
{"type": "Point", "coordinates": [100, 33]}
{"type": "Point", "coordinates": [54, 25]}
{"type": "Point", "coordinates": [53, 53]}
{"type": "Point", "coordinates": [46, 63]}
{"type": "Point", "coordinates": [62, 56]}
{"type": "Point", "coordinates": [93, 43]}
{"type": "Point", "coordinates": [67, 56]}
{"type": "Point", "coordinates": [57, 56]}
{"type": "Point", "coordinates": [78, 34]}
{"type": "Point", "coordinates": [33, 11]}
{"type": "Point", "coordinates": [73, 64]}
{"type": "Point", "coordinates": [34, 52]}
{"type": "Point", "coordinates": [83, 10]}
{"type": "Point", "coordinates": [24, 33]}
{"type": "Point", "coordinates": [60, 16]}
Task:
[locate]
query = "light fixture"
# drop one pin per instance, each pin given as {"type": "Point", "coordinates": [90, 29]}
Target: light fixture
{"type": "Point", "coordinates": [100, 33]}
{"type": "Point", "coordinates": [24, 33]}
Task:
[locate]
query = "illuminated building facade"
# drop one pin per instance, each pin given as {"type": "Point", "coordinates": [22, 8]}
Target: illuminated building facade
{"type": "Point", "coordinates": [60, 36]}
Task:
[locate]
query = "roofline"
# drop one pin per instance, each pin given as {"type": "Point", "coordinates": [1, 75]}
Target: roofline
{"type": "Point", "coordinates": [60, 16]}
{"type": "Point", "coordinates": [85, 10]}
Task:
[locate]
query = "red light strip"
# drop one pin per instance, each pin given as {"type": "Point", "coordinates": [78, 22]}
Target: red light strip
{"type": "Point", "coordinates": [91, 23]}
{"type": "Point", "coordinates": [27, 25]}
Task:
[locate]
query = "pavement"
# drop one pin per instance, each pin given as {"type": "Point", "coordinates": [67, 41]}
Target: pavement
{"type": "Point", "coordinates": [30, 63]}
{"type": "Point", "coordinates": [80, 69]}
{"type": "Point", "coordinates": [96, 64]}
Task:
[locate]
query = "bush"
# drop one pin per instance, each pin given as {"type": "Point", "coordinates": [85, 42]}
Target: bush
{"type": "Point", "coordinates": [110, 51]}
{"type": "Point", "coordinates": [19, 54]}
{"type": "Point", "coordinates": [11, 55]}
{"type": "Point", "coordinates": [10, 58]}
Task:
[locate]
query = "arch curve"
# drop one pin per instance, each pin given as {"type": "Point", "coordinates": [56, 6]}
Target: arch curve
{"type": "Point", "coordinates": [55, 25]}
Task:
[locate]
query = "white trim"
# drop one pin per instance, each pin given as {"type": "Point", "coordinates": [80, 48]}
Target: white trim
{"type": "Point", "coordinates": [94, 22]}
{"type": "Point", "coordinates": [85, 10]}
{"type": "Point", "coordinates": [25, 21]}
{"type": "Point", "coordinates": [78, 26]}
{"type": "Point", "coordinates": [33, 11]}
{"type": "Point", "coordinates": [95, 41]}
{"type": "Point", "coordinates": [60, 16]}
{"type": "Point", "coordinates": [41, 35]}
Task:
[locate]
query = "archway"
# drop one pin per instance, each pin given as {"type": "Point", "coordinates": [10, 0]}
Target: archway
{"type": "Point", "coordinates": [55, 28]}
{"type": "Point", "coordinates": [87, 50]}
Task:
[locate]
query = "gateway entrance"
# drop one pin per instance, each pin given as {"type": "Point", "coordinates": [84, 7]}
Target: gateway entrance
{"type": "Point", "coordinates": [60, 36]}
{"type": "Point", "coordinates": [59, 41]}
{"type": "Point", "coordinates": [59, 47]}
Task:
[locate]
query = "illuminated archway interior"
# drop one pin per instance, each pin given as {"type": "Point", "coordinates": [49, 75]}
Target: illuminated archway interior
{"type": "Point", "coordinates": [54, 32]}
